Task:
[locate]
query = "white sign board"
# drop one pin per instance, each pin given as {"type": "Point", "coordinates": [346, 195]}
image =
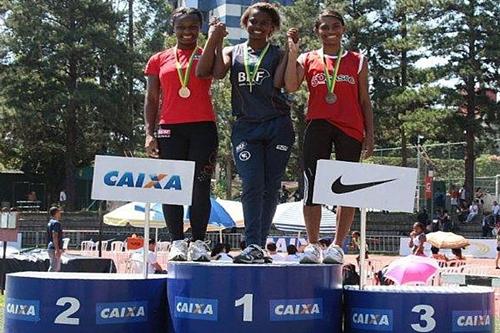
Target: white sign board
{"type": "Point", "coordinates": [478, 248]}
{"type": "Point", "coordinates": [143, 180]}
{"type": "Point", "coordinates": [365, 186]}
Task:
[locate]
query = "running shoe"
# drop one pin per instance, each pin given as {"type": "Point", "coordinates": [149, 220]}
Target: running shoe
{"type": "Point", "coordinates": [333, 255]}
{"type": "Point", "coordinates": [178, 251]}
{"type": "Point", "coordinates": [253, 254]}
{"type": "Point", "coordinates": [198, 251]}
{"type": "Point", "coordinates": [312, 254]}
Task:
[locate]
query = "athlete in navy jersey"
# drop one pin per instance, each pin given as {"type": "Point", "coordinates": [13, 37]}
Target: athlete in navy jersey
{"type": "Point", "coordinates": [263, 135]}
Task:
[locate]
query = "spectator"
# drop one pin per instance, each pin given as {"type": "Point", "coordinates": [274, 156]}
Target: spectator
{"type": "Point", "coordinates": [454, 198]}
{"type": "Point", "coordinates": [220, 252]}
{"type": "Point", "coordinates": [423, 217]}
{"type": "Point", "coordinates": [31, 196]}
{"type": "Point", "coordinates": [473, 211]}
{"type": "Point", "coordinates": [436, 255]}
{"type": "Point", "coordinates": [272, 249]}
{"type": "Point", "coordinates": [445, 221]}
{"type": "Point", "coordinates": [152, 261]}
{"type": "Point", "coordinates": [292, 253]}
{"type": "Point", "coordinates": [284, 194]}
{"type": "Point", "coordinates": [417, 239]}
{"type": "Point", "coordinates": [462, 200]}
{"type": "Point", "coordinates": [62, 198]}
{"type": "Point", "coordinates": [495, 210]}
{"type": "Point", "coordinates": [54, 239]}
{"type": "Point", "coordinates": [487, 225]}
{"type": "Point", "coordinates": [356, 244]}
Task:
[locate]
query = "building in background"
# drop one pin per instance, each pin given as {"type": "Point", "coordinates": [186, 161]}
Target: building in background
{"type": "Point", "coordinates": [229, 11]}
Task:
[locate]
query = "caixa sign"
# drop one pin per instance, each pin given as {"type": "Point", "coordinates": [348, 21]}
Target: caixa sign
{"type": "Point", "coordinates": [143, 180]}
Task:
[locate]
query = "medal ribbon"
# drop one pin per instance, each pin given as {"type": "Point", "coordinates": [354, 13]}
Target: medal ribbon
{"type": "Point", "coordinates": [250, 75]}
{"type": "Point", "coordinates": [331, 80]}
{"type": "Point", "coordinates": [184, 77]}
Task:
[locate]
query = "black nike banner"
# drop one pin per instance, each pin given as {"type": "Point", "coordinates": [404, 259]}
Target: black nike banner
{"type": "Point", "coordinates": [365, 185]}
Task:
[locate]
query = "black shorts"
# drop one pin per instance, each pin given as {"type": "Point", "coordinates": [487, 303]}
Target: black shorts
{"type": "Point", "coordinates": [498, 248]}
{"type": "Point", "coordinates": [319, 138]}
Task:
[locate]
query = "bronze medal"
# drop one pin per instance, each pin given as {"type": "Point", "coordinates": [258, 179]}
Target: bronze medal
{"type": "Point", "coordinates": [331, 98]}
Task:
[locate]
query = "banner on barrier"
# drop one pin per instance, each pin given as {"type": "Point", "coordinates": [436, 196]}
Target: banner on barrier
{"type": "Point", "coordinates": [143, 180]}
{"type": "Point", "coordinates": [365, 185]}
{"type": "Point", "coordinates": [478, 248]}
{"type": "Point", "coordinates": [283, 242]}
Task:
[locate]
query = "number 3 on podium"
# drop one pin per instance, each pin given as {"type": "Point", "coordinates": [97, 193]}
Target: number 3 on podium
{"type": "Point", "coordinates": [247, 302]}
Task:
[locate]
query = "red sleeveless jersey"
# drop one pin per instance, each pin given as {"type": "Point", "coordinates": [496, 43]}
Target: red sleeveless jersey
{"type": "Point", "coordinates": [175, 109]}
{"type": "Point", "coordinates": [346, 112]}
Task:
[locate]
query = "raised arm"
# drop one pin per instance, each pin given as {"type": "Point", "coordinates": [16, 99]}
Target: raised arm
{"type": "Point", "coordinates": [366, 107]}
{"type": "Point", "coordinates": [279, 75]}
{"type": "Point", "coordinates": [206, 64]}
{"type": "Point", "coordinates": [294, 73]}
{"type": "Point", "coordinates": [222, 62]}
{"type": "Point", "coordinates": [151, 105]}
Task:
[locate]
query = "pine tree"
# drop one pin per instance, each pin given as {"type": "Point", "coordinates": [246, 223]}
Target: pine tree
{"type": "Point", "coordinates": [61, 79]}
{"type": "Point", "coordinates": [465, 33]}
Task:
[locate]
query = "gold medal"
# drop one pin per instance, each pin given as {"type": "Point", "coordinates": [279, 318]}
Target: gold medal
{"type": "Point", "coordinates": [184, 92]}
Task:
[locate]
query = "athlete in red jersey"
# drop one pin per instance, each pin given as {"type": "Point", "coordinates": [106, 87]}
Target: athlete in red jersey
{"type": "Point", "coordinates": [339, 112]}
{"type": "Point", "coordinates": [185, 128]}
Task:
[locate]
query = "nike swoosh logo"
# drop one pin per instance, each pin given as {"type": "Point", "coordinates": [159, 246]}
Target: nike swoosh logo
{"type": "Point", "coordinates": [339, 188]}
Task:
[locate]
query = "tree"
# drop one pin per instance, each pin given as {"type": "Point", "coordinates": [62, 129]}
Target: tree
{"type": "Point", "coordinates": [62, 79]}
{"type": "Point", "coordinates": [465, 33]}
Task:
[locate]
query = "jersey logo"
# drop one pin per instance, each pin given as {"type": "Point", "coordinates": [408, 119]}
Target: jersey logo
{"type": "Point", "coordinates": [260, 76]}
{"type": "Point", "coordinates": [319, 78]}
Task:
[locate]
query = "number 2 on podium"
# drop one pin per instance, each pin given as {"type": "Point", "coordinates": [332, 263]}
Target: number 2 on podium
{"type": "Point", "coordinates": [247, 302]}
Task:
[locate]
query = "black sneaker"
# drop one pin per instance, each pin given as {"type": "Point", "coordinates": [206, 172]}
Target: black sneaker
{"type": "Point", "coordinates": [253, 254]}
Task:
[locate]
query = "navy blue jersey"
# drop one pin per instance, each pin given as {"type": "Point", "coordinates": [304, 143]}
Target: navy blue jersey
{"type": "Point", "coordinates": [54, 226]}
{"type": "Point", "coordinates": [265, 101]}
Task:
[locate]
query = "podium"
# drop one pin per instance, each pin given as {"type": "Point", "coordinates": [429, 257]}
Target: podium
{"type": "Point", "coordinates": [278, 298]}
{"type": "Point", "coordinates": [41, 302]}
{"type": "Point", "coordinates": [419, 309]}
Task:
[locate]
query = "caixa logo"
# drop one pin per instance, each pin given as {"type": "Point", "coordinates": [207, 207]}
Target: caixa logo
{"type": "Point", "coordinates": [196, 308]}
{"type": "Point", "coordinates": [22, 309]}
{"type": "Point", "coordinates": [123, 312]}
{"type": "Point", "coordinates": [471, 321]}
{"type": "Point", "coordinates": [142, 180]}
{"type": "Point", "coordinates": [296, 309]}
{"type": "Point", "coordinates": [372, 319]}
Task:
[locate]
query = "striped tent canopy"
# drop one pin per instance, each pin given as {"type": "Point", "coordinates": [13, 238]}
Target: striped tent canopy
{"type": "Point", "coordinates": [289, 218]}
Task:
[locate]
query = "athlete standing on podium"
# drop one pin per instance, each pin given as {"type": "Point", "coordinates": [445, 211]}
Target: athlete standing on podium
{"type": "Point", "coordinates": [263, 134]}
{"type": "Point", "coordinates": [185, 128]}
{"type": "Point", "coordinates": [339, 112]}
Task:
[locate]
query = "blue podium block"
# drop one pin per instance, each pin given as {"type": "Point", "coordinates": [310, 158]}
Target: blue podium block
{"type": "Point", "coordinates": [40, 302]}
{"type": "Point", "coordinates": [419, 309]}
{"type": "Point", "coordinates": [278, 298]}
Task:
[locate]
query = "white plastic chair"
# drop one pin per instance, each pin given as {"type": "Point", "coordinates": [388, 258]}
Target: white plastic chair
{"type": "Point", "coordinates": [116, 246]}
{"type": "Point", "coordinates": [87, 246]}
{"type": "Point", "coordinates": [65, 243]}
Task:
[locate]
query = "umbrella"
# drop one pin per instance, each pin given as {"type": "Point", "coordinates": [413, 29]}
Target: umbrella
{"type": "Point", "coordinates": [289, 217]}
{"type": "Point", "coordinates": [412, 269]}
{"type": "Point", "coordinates": [133, 214]}
{"type": "Point", "coordinates": [446, 240]}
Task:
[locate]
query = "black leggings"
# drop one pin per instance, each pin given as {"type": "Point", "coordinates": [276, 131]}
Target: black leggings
{"type": "Point", "coordinates": [191, 142]}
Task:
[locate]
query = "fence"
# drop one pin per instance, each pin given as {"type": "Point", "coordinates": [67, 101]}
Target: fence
{"type": "Point", "coordinates": [381, 244]}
